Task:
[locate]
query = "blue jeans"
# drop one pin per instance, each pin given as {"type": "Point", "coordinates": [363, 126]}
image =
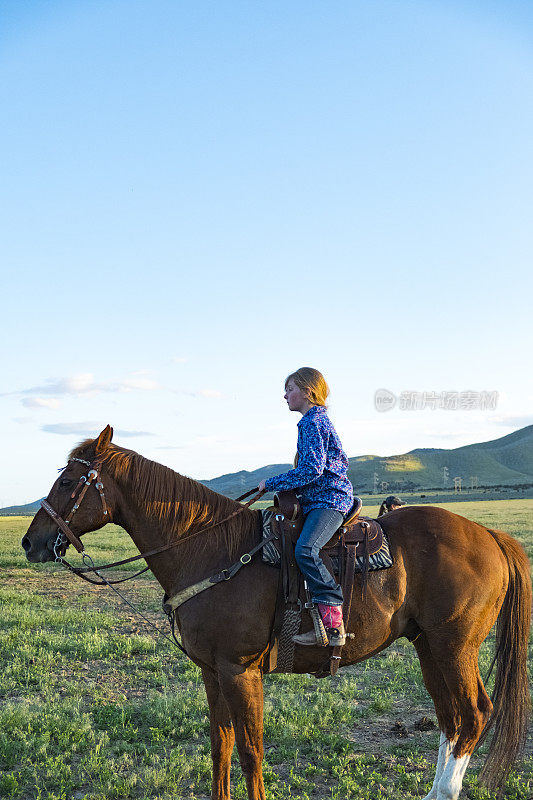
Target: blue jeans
{"type": "Point", "coordinates": [319, 526]}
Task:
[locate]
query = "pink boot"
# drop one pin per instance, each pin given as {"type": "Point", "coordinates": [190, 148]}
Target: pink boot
{"type": "Point", "coordinates": [333, 623]}
{"type": "Point", "coordinates": [331, 615]}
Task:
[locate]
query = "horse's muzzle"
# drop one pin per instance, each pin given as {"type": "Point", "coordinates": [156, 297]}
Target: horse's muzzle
{"type": "Point", "coordinates": [39, 551]}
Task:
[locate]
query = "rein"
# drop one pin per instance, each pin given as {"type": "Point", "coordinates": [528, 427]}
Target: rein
{"type": "Point", "coordinates": [170, 546]}
{"type": "Point", "coordinates": [66, 536]}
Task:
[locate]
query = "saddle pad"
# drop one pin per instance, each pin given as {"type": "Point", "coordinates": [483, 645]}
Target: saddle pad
{"type": "Point", "coordinates": [270, 553]}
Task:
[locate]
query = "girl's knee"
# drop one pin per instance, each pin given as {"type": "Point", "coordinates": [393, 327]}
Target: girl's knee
{"type": "Point", "coordinates": [302, 552]}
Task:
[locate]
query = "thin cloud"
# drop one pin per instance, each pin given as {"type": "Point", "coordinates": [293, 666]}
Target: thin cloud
{"type": "Point", "coordinates": [73, 428]}
{"type": "Point", "coordinates": [179, 360]}
{"type": "Point", "coordinates": [75, 384]}
{"type": "Point", "coordinates": [40, 402]}
{"type": "Point", "coordinates": [87, 429]}
{"type": "Point", "coordinates": [80, 385]}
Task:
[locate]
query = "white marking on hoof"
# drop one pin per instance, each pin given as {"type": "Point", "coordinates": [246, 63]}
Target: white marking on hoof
{"type": "Point", "coordinates": [445, 748]}
{"type": "Point", "coordinates": [452, 778]}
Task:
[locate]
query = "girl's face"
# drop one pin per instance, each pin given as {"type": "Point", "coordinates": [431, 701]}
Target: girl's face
{"type": "Point", "coordinates": [296, 399]}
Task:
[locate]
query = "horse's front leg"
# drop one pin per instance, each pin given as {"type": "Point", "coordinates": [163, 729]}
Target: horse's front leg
{"type": "Point", "coordinates": [222, 736]}
{"type": "Point", "coordinates": [244, 695]}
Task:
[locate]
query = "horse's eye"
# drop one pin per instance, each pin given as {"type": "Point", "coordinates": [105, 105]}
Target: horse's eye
{"type": "Point", "coordinates": [66, 482]}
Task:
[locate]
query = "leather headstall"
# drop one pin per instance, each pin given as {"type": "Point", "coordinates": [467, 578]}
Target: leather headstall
{"type": "Point", "coordinates": [63, 524]}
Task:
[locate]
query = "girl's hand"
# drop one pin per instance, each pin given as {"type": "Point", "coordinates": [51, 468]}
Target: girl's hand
{"type": "Point", "coordinates": [261, 486]}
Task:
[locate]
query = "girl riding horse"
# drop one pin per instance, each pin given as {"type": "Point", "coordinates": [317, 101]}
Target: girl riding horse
{"type": "Point", "coordinates": [326, 495]}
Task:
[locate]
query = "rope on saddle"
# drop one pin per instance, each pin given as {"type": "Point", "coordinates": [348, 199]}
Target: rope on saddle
{"type": "Point", "coordinates": [288, 599]}
{"type": "Point", "coordinates": [291, 626]}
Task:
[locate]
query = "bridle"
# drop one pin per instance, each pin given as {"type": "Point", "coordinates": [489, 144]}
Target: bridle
{"type": "Point", "coordinates": [64, 533]}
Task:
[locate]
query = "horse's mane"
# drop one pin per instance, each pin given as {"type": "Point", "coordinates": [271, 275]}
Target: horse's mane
{"type": "Point", "coordinates": [178, 504]}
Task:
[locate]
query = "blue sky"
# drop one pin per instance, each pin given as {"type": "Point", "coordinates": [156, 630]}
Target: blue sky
{"type": "Point", "coordinates": [198, 198]}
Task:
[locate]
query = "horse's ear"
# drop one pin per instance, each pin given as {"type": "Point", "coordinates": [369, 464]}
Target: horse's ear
{"type": "Point", "coordinates": [104, 440]}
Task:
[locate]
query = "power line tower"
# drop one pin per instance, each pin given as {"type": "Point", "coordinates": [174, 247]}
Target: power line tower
{"type": "Point", "coordinates": [457, 485]}
{"type": "Point", "coordinates": [376, 482]}
{"type": "Point", "coordinates": [445, 477]}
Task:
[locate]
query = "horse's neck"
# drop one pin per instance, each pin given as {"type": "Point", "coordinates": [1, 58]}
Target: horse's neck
{"type": "Point", "coordinates": [193, 558]}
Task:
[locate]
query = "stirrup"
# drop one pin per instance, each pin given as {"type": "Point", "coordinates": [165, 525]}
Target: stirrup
{"type": "Point", "coordinates": [309, 639]}
{"type": "Point", "coordinates": [317, 636]}
{"type": "Point", "coordinates": [337, 636]}
{"type": "Point", "coordinates": [318, 626]}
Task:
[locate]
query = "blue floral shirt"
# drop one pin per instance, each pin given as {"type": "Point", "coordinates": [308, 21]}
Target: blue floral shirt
{"type": "Point", "coordinates": [321, 473]}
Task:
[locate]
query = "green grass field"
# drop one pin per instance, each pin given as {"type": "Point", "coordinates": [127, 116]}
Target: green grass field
{"type": "Point", "coordinates": [94, 705]}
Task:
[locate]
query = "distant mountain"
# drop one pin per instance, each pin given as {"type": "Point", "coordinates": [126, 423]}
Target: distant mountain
{"type": "Point", "coordinates": [236, 483]}
{"type": "Point", "coordinates": [505, 461]}
{"type": "Point", "coordinates": [21, 511]}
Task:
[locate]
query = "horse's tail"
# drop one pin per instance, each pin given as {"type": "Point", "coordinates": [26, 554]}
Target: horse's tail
{"type": "Point", "coordinates": [511, 693]}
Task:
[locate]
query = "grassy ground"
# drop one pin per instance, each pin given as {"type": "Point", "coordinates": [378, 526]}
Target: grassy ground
{"type": "Point", "coordinates": [93, 705]}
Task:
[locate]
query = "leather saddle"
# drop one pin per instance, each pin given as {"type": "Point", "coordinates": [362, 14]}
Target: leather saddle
{"type": "Point", "coordinates": [362, 532]}
{"type": "Point", "coordinates": [356, 540]}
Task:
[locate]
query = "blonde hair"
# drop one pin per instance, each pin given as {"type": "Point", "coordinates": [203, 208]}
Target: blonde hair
{"type": "Point", "coordinates": [312, 383]}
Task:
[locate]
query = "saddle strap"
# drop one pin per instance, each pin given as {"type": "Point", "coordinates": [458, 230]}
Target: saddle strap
{"type": "Point", "coordinates": [172, 603]}
{"type": "Point", "coordinates": [347, 591]}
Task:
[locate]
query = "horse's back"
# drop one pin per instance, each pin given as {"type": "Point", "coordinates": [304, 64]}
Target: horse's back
{"type": "Point", "coordinates": [432, 534]}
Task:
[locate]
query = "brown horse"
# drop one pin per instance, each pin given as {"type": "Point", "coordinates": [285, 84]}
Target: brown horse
{"type": "Point", "coordinates": [450, 581]}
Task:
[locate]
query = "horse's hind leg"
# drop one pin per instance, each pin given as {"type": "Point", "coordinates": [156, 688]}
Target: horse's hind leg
{"type": "Point", "coordinates": [445, 708]}
{"type": "Point", "coordinates": [244, 695]}
{"type": "Point", "coordinates": [461, 673]}
{"type": "Point", "coordinates": [222, 736]}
